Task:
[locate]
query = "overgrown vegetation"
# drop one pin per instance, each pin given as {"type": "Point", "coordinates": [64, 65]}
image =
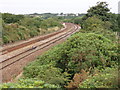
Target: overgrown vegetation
{"type": "Point", "coordinates": [102, 11]}
{"type": "Point", "coordinates": [19, 27]}
{"type": "Point", "coordinates": [88, 59]}
{"type": "Point", "coordinates": [28, 83]}
{"type": "Point", "coordinates": [105, 78]}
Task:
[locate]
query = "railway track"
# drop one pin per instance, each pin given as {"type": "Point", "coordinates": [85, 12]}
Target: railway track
{"type": "Point", "coordinates": [10, 49]}
{"type": "Point", "coordinates": [39, 44]}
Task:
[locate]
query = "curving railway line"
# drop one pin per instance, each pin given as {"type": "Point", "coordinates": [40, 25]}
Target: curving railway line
{"type": "Point", "coordinates": [14, 58]}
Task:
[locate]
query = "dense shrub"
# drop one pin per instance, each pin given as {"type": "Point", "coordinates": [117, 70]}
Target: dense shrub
{"type": "Point", "coordinates": [47, 73]}
{"type": "Point", "coordinates": [92, 23]}
{"type": "Point", "coordinates": [30, 22]}
{"type": "Point", "coordinates": [14, 32]}
{"type": "Point", "coordinates": [83, 51]}
{"type": "Point", "coordinates": [11, 18]}
{"type": "Point", "coordinates": [77, 20]}
{"type": "Point", "coordinates": [5, 39]}
{"type": "Point", "coordinates": [106, 78]}
{"type": "Point", "coordinates": [28, 83]}
{"type": "Point", "coordinates": [97, 26]}
{"type": "Point", "coordinates": [50, 22]}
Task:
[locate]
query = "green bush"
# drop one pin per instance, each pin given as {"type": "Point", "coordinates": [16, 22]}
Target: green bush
{"type": "Point", "coordinates": [85, 50]}
{"type": "Point", "coordinates": [30, 22]}
{"type": "Point", "coordinates": [28, 83]}
{"type": "Point", "coordinates": [97, 26]}
{"type": "Point", "coordinates": [50, 22]}
{"type": "Point", "coordinates": [5, 39]}
{"type": "Point", "coordinates": [92, 23]}
{"type": "Point", "coordinates": [47, 73]}
{"type": "Point", "coordinates": [11, 18]}
{"type": "Point", "coordinates": [107, 78]}
{"type": "Point", "coordinates": [33, 33]}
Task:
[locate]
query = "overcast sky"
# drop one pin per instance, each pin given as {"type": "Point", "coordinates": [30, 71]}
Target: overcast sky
{"type": "Point", "coordinates": [52, 6]}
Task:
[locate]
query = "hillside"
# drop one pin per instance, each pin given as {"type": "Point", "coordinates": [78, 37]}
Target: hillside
{"type": "Point", "coordinates": [20, 27]}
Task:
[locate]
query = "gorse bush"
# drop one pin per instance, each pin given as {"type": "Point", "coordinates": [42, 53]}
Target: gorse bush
{"type": "Point", "coordinates": [47, 73]}
{"type": "Point", "coordinates": [28, 83]}
{"type": "Point", "coordinates": [50, 22]}
{"type": "Point", "coordinates": [106, 78]}
{"type": "Point", "coordinates": [97, 26]}
{"type": "Point", "coordinates": [14, 32]}
{"type": "Point", "coordinates": [92, 23]}
{"type": "Point", "coordinates": [83, 51]}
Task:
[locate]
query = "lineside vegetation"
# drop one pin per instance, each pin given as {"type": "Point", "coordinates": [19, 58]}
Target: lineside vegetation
{"type": "Point", "coordinates": [88, 59]}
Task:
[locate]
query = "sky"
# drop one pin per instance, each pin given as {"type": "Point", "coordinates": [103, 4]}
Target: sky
{"type": "Point", "coordinates": [52, 6]}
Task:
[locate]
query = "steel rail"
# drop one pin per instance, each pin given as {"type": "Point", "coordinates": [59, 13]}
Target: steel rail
{"type": "Point", "coordinates": [46, 44]}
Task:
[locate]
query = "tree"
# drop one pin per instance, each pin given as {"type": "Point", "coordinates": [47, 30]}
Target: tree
{"type": "Point", "coordinates": [77, 20]}
{"type": "Point", "coordinates": [61, 13]}
{"type": "Point", "coordinates": [11, 18]}
{"type": "Point", "coordinates": [92, 23]}
{"type": "Point", "coordinates": [101, 10]}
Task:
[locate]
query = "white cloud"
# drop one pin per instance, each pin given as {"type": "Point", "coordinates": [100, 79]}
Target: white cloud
{"type": "Point", "coordinates": [41, 6]}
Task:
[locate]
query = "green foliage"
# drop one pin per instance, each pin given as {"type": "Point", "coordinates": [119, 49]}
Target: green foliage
{"type": "Point", "coordinates": [47, 73]}
{"type": "Point", "coordinates": [14, 32]}
{"type": "Point", "coordinates": [106, 78]}
{"type": "Point", "coordinates": [77, 20]}
{"type": "Point", "coordinates": [5, 39]}
{"type": "Point", "coordinates": [24, 27]}
{"type": "Point", "coordinates": [92, 23]}
{"type": "Point", "coordinates": [30, 22]}
{"type": "Point", "coordinates": [28, 83]}
{"type": "Point", "coordinates": [99, 21]}
{"type": "Point", "coordinates": [50, 22]}
{"type": "Point", "coordinates": [88, 50]}
{"type": "Point", "coordinates": [101, 10]}
{"type": "Point", "coordinates": [96, 25]}
{"type": "Point", "coordinates": [114, 19]}
{"type": "Point", "coordinates": [11, 18]}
